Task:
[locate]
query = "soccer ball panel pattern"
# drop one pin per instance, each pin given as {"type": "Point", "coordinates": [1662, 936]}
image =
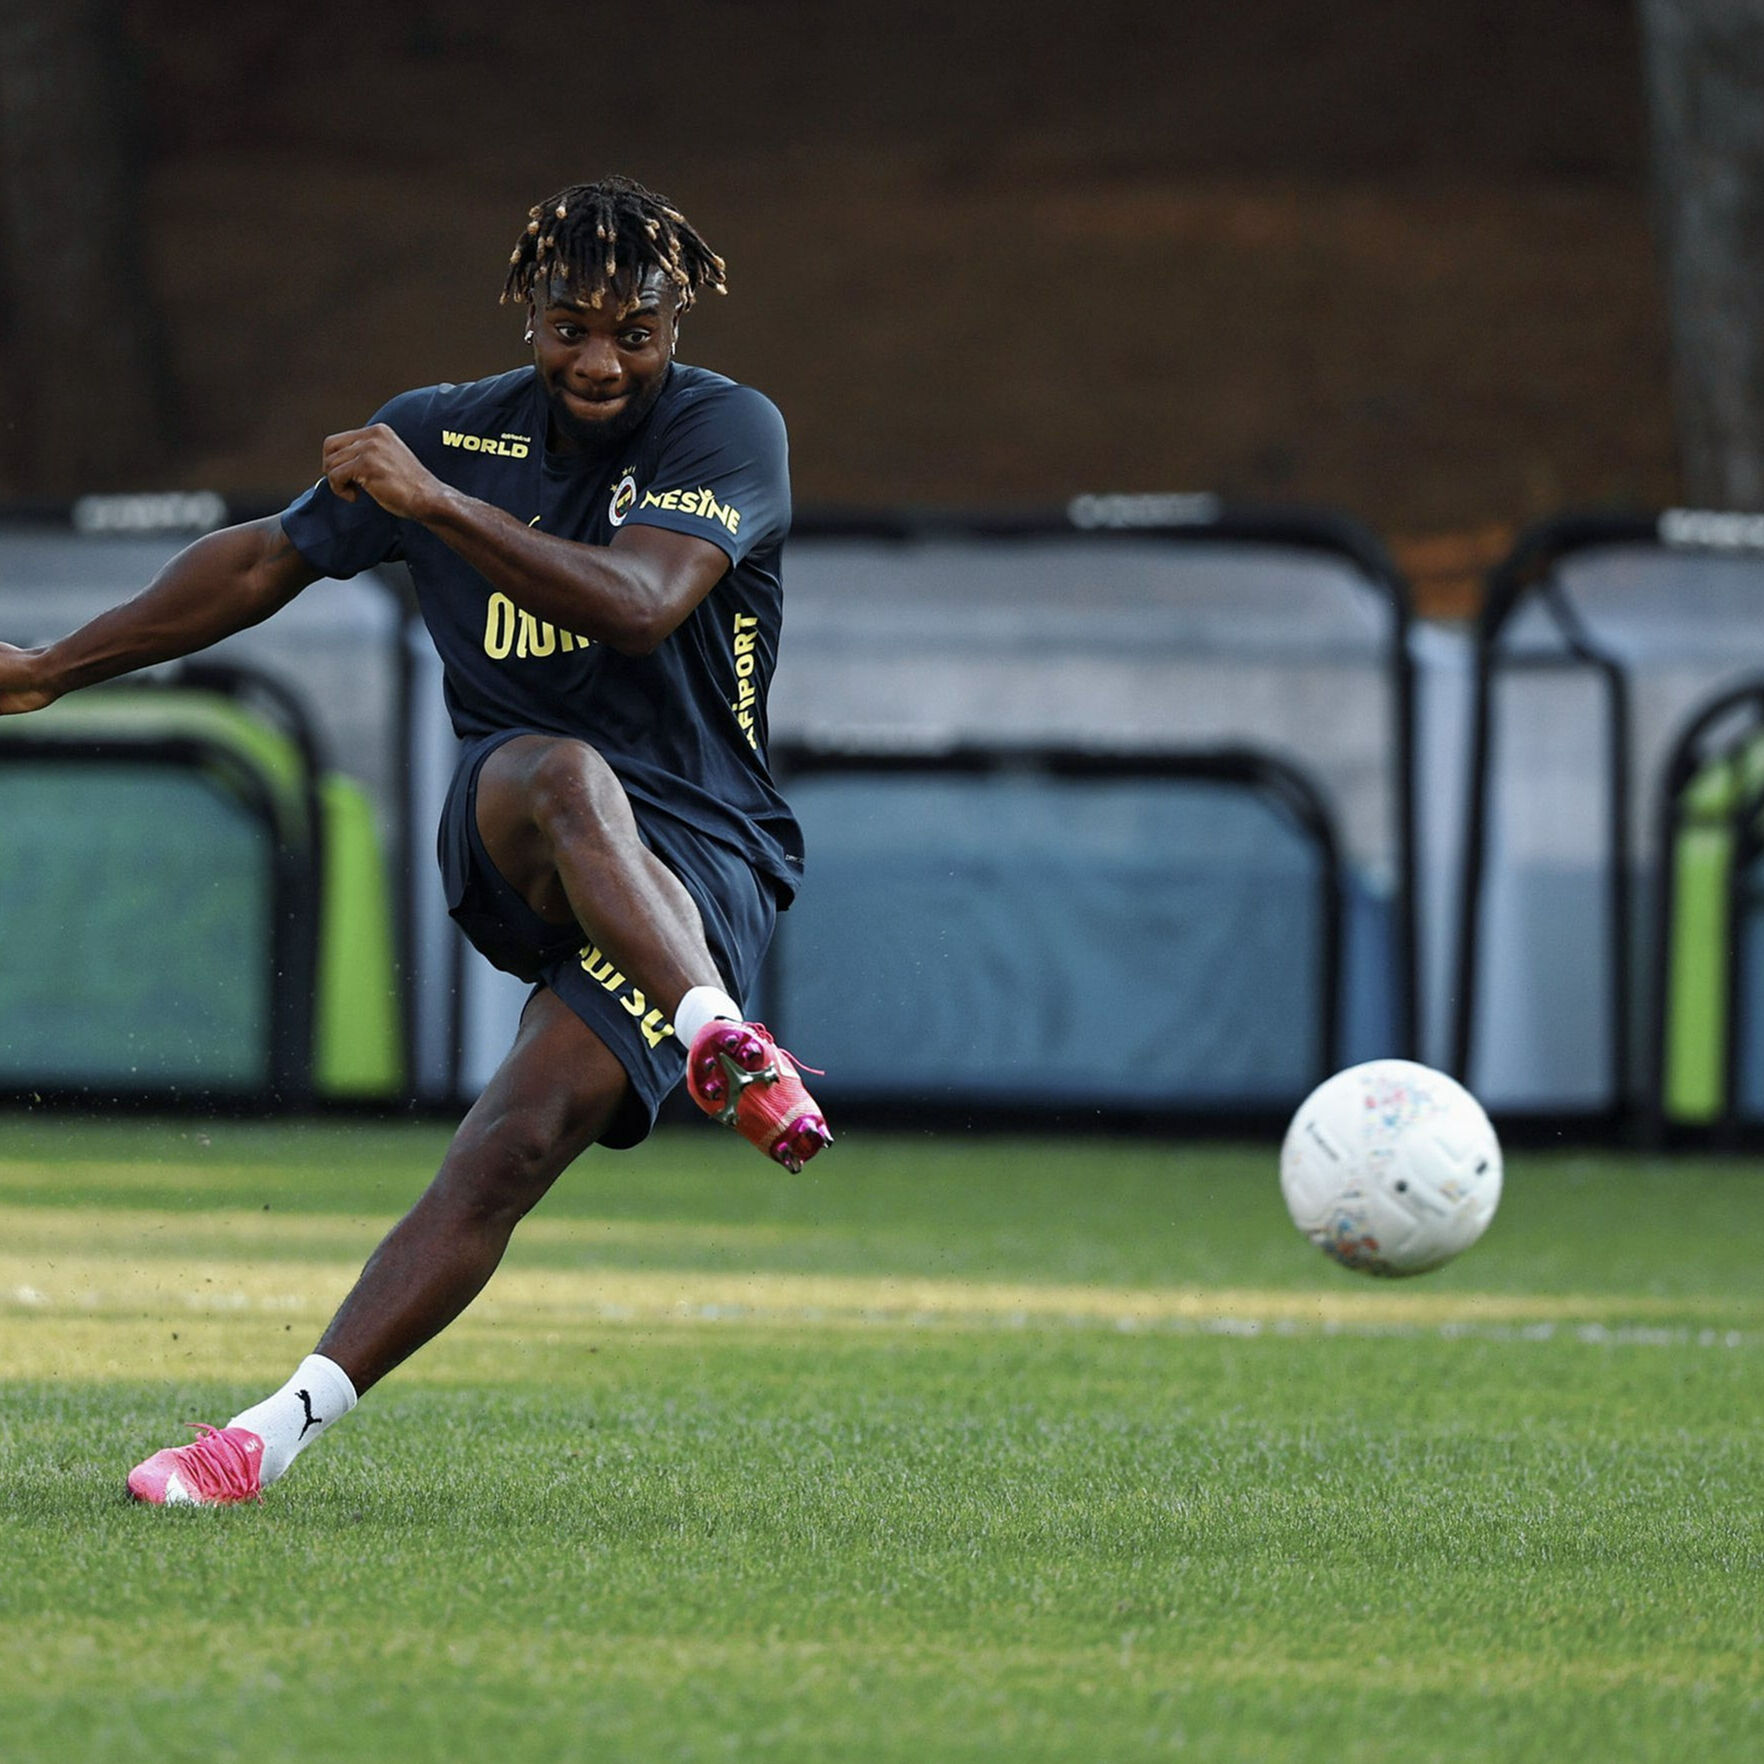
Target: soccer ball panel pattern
{"type": "Point", "coordinates": [1391, 1168]}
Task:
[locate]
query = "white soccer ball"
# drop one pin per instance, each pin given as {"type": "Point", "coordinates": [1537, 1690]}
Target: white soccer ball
{"type": "Point", "coordinates": [1391, 1168]}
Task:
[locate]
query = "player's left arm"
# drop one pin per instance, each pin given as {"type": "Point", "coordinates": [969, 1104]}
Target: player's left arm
{"type": "Point", "coordinates": [629, 595]}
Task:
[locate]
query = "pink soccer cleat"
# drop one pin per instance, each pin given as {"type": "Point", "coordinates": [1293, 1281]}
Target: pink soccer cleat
{"type": "Point", "coordinates": [220, 1467]}
{"type": "Point", "coordinates": [740, 1076]}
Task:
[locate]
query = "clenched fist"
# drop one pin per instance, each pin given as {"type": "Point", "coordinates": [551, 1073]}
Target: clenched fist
{"type": "Point", "coordinates": [374, 459]}
{"type": "Point", "coordinates": [21, 687]}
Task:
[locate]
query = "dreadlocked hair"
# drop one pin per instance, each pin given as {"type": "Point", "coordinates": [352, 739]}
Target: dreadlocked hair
{"type": "Point", "coordinates": [608, 238]}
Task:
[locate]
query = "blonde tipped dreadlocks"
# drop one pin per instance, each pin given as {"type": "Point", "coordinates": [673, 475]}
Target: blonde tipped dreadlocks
{"type": "Point", "coordinates": [607, 238]}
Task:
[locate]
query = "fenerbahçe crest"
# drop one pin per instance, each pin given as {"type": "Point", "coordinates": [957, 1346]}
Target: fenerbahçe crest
{"type": "Point", "coordinates": [623, 497]}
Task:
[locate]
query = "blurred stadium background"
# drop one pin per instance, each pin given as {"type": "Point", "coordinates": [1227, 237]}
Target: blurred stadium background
{"type": "Point", "coordinates": [1243, 604]}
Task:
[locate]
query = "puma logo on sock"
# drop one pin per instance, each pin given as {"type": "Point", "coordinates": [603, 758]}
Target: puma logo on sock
{"type": "Point", "coordinates": [312, 1420]}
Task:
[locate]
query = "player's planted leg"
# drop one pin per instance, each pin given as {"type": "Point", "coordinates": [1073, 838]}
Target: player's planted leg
{"type": "Point", "coordinates": [549, 1100]}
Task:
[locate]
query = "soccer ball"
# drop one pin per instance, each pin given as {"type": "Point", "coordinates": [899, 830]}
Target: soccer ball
{"type": "Point", "coordinates": [1391, 1168]}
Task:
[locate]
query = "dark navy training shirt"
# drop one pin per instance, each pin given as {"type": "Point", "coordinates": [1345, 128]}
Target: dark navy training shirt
{"type": "Point", "coordinates": [685, 726]}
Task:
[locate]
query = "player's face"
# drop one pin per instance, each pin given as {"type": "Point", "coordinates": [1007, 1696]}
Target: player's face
{"type": "Point", "coordinates": [603, 369]}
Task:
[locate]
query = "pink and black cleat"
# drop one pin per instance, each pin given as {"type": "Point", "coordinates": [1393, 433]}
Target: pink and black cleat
{"type": "Point", "coordinates": [220, 1467]}
{"type": "Point", "coordinates": [740, 1076]}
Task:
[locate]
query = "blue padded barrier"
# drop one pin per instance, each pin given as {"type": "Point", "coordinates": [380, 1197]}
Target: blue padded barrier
{"type": "Point", "coordinates": [1012, 937]}
{"type": "Point", "coordinates": [138, 903]}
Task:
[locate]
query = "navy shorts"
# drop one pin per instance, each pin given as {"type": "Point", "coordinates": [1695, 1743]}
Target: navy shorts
{"type": "Point", "coordinates": [737, 906]}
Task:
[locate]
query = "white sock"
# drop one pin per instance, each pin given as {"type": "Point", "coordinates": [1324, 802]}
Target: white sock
{"type": "Point", "coordinates": [703, 1004]}
{"type": "Point", "coordinates": [288, 1422]}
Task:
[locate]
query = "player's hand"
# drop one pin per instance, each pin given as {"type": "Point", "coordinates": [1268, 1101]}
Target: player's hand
{"type": "Point", "coordinates": [21, 687]}
{"type": "Point", "coordinates": [375, 460]}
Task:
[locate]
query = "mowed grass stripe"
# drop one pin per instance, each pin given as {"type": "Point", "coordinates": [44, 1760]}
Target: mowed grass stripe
{"type": "Point", "coordinates": [633, 1701]}
{"type": "Point", "coordinates": [127, 1283]}
{"type": "Point", "coordinates": [1129, 1213]}
{"type": "Point", "coordinates": [261, 1232]}
{"type": "Point", "coordinates": [63, 1662]}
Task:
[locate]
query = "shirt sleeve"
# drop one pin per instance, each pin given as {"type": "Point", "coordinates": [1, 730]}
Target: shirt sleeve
{"type": "Point", "coordinates": [723, 473]}
{"type": "Point", "coordinates": [342, 539]}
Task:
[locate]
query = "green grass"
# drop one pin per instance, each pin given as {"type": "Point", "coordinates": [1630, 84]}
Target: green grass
{"type": "Point", "coordinates": [949, 1449]}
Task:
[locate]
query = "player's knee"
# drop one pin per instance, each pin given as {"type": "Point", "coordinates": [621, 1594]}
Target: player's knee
{"type": "Point", "coordinates": [502, 1162]}
{"type": "Point", "coordinates": [502, 1167]}
{"type": "Point", "coordinates": [573, 790]}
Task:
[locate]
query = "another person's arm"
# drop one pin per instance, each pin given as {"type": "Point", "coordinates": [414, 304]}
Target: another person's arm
{"type": "Point", "coordinates": [222, 583]}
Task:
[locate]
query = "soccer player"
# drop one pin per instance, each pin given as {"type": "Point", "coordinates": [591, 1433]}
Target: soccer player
{"type": "Point", "coordinates": [595, 543]}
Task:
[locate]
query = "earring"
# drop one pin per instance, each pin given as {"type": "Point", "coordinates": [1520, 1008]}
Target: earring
{"type": "Point", "coordinates": [528, 337]}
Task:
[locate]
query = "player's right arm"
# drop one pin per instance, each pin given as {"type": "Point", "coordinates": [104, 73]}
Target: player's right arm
{"type": "Point", "coordinates": [223, 583]}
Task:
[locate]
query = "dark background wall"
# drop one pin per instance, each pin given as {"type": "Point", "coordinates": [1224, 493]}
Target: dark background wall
{"type": "Point", "coordinates": [1386, 255]}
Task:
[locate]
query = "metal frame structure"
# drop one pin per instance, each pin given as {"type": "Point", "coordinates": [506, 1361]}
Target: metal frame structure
{"type": "Point", "coordinates": [1530, 572]}
{"type": "Point", "coordinates": [1188, 520]}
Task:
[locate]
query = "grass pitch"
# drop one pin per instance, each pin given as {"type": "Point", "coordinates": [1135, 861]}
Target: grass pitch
{"type": "Point", "coordinates": [944, 1450]}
